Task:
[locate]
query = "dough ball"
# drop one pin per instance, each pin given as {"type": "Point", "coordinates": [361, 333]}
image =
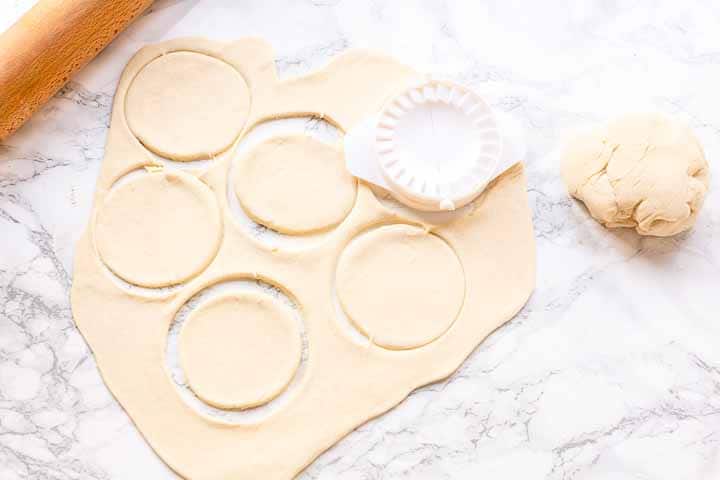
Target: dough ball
{"type": "Point", "coordinates": [400, 286]}
{"type": "Point", "coordinates": [295, 184]}
{"type": "Point", "coordinates": [159, 229]}
{"type": "Point", "coordinates": [240, 350]}
{"type": "Point", "coordinates": [644, 171]}
{"type": "Point", "coordinates": [187, 105]}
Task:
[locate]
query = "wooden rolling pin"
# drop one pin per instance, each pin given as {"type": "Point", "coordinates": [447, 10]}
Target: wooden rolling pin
{"type": "Point", "coordinates": [40, 52]}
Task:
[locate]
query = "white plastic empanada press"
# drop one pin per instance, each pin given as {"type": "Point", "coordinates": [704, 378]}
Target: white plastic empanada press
{"type": "Point", "coordinates": [434, 146]}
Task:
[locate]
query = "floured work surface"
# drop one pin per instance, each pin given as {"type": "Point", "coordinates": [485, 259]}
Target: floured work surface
{"type": "Point", "coordinates": [418, 295]}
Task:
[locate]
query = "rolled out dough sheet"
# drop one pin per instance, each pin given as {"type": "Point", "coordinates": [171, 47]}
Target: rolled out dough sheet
{"type": "Point", "coordinates": [485, 254]}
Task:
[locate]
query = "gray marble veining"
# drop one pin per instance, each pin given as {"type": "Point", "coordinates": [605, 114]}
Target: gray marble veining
{"type": "Point", "coordinates": [612, 371]}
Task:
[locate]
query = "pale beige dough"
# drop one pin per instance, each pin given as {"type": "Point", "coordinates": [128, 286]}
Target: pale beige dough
{"type": "Point", "coordinates": [147, 226]}
{"type": "Point", "coordinates": [644, 171]}
{"type": "Point", "coordinates": [400, 285]}
{"type": "Point", "coordinates": [201, 102]}
{"type": "Point", "coordinates": [295, 184]}
{"type": "Point", "coordinates": [344, 381]}
{"type": "Point", "coordinates": [240, 350]}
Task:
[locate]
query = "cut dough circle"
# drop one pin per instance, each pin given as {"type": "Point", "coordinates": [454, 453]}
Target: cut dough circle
{"type": "Point", "coordinates": [295, 184]}
{"type": "Point", "coordinates": [644, 171]}
{"type": "Point", "coordinates": [159, 229]}
{"type": "Point", "coordinates": [187, 105]}
{"type": "Point", "coordinates": [240, 350]}
{"type": "Point", "coordinates": [400, 286]}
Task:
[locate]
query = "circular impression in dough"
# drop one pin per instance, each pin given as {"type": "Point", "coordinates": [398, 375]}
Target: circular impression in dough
{"type": "Point", "coordinates": [187, 105]}
{"type": "Point", "coordinates": [400, 286]}
{"type": "Point", "coordinates": [240, 350]}
{"type": "Point", "coordinates": [159, 229]}
{"type": "Point", "coordinates": [644, 171]}
{"type": "Point", "coordinates": [295, 184]}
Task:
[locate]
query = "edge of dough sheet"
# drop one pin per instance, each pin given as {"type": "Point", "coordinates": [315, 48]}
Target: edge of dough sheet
{"type": "Point", "coordinates": [127, 331]}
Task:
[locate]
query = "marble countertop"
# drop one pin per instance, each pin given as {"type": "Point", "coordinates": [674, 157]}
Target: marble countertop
{"type": "Point", "coordinates": [612, 370]}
